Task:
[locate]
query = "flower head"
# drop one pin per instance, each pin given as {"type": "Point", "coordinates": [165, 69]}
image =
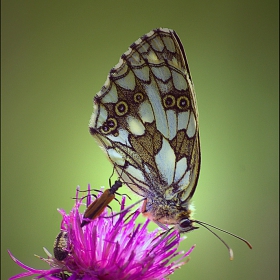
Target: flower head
{"type": "Point", "coordinates": [109, 248]}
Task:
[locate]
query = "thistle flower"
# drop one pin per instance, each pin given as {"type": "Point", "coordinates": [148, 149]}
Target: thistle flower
{"type": "Point", "coordinates": [108, 248]}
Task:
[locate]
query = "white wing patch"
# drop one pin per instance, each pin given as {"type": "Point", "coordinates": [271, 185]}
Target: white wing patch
{"type": "Point", "coordinates": [103, 115]}
{"type": "Point", "coordinates": [122, 137]}
{"type": "Point", "coordinates": [157, 107]}
{"type": "Point", "coordinates": [135, 126]}
{"type": "Point", "coordinates": [172, 123]}
{"type": "Point", "coordinates": [191, 126]}
{"type": "Point", "coordinates": [179, 81]}
{"type": "Point", "coordinates": [165, 160]}
{"type": "Point", "coordinates": [183, 119]}
{"type": "Point", "coordinates": [146, 112]}
{"type": "Point", "coordinates": [111, 96]}
{"type": "Point", "coordinates": [181, 167]}
{"type": "Point", "coordinates": [162, 73]}
{"type": "Point", "coordinates": [128, 82]}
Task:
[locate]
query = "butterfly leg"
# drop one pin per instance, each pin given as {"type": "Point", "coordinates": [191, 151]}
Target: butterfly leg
{"type": "Point", "coordinates": [143, 208]}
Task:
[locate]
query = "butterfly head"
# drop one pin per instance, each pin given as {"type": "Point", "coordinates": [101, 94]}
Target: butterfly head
{"type": "Point", "coordinates": [185, 222]}
{"type": "Point", "coordinates": [164, 212]}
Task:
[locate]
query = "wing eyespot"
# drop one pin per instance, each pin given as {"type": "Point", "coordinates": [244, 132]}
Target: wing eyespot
{"type": "Point", "coordinates": [121, 108]}
{"type": "Point", "coordinates": [183, 103]}
{"type": "Point", "coordinates": [169, 101]}
{"type": "Point", "coordinates": [138, 97]}
{"type": "Point", "coordinates": [109, 126]}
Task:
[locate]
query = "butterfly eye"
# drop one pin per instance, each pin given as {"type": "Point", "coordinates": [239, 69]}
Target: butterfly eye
{"type": "Point", "coordinates": [186, 225]}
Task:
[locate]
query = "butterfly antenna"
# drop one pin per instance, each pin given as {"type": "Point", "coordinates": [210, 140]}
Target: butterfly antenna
{"type": "Point", "coordinates": [206, 225]}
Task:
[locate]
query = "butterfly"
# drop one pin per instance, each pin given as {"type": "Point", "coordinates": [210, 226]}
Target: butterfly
{"type": "Point", "coordinates": [100, 203]}
{"type": "Point", "coordinates": [145, 118]}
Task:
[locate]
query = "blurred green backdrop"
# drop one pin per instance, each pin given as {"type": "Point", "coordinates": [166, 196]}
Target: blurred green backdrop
{"type": "Point", "coordinates": [56, 56]}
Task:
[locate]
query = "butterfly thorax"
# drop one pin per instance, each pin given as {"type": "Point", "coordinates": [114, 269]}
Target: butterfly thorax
{"type": "Point", "coordinates": [169, 212]}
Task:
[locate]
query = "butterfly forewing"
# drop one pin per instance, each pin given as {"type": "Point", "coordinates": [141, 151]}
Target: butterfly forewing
{"type": "Point", "coordinates": [145, 117]}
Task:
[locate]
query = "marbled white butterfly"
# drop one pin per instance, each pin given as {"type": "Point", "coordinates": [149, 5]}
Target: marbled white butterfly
{"type": "Point", "coordinates": [146, 119]}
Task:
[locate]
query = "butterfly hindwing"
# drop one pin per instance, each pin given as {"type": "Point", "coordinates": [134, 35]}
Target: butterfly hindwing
{"type": "Point", "coordinates": [145, 117]}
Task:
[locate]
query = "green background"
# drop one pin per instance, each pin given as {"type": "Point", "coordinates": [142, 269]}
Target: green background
{"type": "Point", "coordinates": [56, 56]}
